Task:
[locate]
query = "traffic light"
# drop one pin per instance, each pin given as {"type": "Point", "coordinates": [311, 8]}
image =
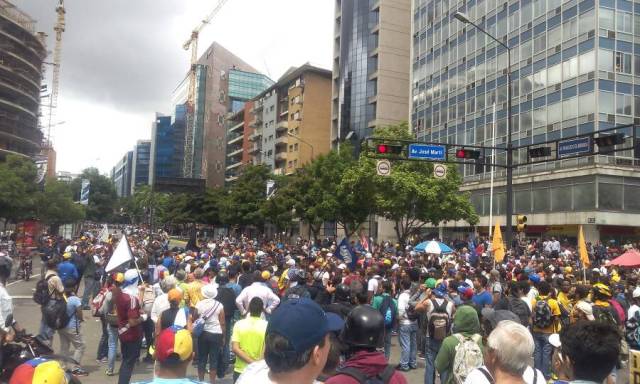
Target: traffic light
{"type": "Point", "coordinates": [609, 140]}
{"type": "Point", "coordinates": [463, 153]}
{"type": "Point", "coordinates": [521, 223]}
{"type": "Point", "coordinates": [539, 152]}
{"type": "Point", "coordinates": [388, 149]}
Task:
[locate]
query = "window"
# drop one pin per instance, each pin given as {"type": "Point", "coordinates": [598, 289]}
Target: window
{"type": "Point", "coordinates": [623, 22]}
{"type": "Point", "coordinates": [609, 196]}
{"type": "Point", "coordinates": [570, 108]}
{"type": "Point", "coordinates": [554, 37]}
{"type": "Point", "coordinates": [539, 7]}
{"type": "Point", "coordinates": [605, 60]}
{"type": "Point", "coordinates": [623, 104]}
{"type": "Point", "coordinates": [607, 18]}
{"type": "Point", "coordinates": [555, 113]}
{"type": "Point", "coordinates": [570, 68]}
{"type": "Point", "coordinates": [522, 201]}
{"type": "Point", "coordinates": [606, 102]}
{"type": "Point", "coordinates": [555, 74]}
{"type": "Point", "coordinates": [560, 198]}
{"type": "Point", "coordinates": [540, 43]}
{"type": "Point", "coordinates": [623, 62]}
{"type": "Point", "coordinates": [587, 21]}
{"type": "Point", "coordinates": [631, 201]}
{"type": "Point", "coordinates": [540, 117]}
{"type": "Point", "coordinates": [570, 29]}
{"type": "Point", "coordinates": [220, 119]}
{"type": "Point", "coordinates": [586, 104]}
{"type": "Point", "coordinates": [541, 200]}
{"type": "Point", "coordinates": [584, 196]}
{"type": "Point", "coordinates": [587, 62]}
{"type": "Point", "coordinates": [222, 97]}
{"type": "Point", "coordinates": [295, 147]}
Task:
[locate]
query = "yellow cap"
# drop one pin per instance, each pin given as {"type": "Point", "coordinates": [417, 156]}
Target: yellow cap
{"type": "Point", "coordinates": [266, 275]}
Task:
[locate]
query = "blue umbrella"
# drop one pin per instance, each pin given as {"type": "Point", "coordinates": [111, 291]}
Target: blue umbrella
{"type": "Point", "coordinates": [433, 247]}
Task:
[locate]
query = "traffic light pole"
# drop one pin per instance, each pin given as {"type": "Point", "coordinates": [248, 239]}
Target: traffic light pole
{"type": "Point", "coordinates": [509, 207]}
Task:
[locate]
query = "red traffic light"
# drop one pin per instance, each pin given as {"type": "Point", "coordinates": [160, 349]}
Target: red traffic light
{"type": "Point", "coordinates": [384, 149]}
{"type": "Point", "coordinates": [467, 154]}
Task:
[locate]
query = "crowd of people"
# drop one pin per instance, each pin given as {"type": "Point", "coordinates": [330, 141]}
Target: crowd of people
{"type": "Point", "coordinates": [264, 311]}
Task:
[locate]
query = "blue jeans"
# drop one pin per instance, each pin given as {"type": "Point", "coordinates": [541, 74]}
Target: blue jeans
{"type": "Point", "coordinates": [431, 351]}
{"type": "Point", "coordinates": [387, 343]}
{"type": "Point", "coordinates": [130, 354]}
{"type": "Point", "coordinates": [112, 333]}
{"type": "Point", "coordinates": [408, 336]}
{"type": "Point", "coordinates": [46, 332]}
{"type": "Point", "coordinates": [542, 353]}
{"type": "Point", "coordinates": [89, 291]}
{"type": "Point", "coordinates": [223, 362]}
{"type": "Point", "coordinates": [103, 345]}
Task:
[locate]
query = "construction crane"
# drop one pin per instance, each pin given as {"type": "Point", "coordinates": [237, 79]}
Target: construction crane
{"type": "Point", "coordinates": [57, 58]}
{"type": "Point", "coordinates": [192, 43]}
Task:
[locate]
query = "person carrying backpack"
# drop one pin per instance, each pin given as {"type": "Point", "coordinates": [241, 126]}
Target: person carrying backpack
{"type": "Point", "coordinates": [439, 314]}
{"type": "Point", "coordinates": [388, 307]}
{"type": "Point", "coordinates": [68, 271]}
{"type": "Point", "coordinates": [461, 352]}
{"type": "Point", "coordinates": [361, 335]}
{"type": "Point", "coordinates": [546, 321]}
{"type": "Point", "coordinates": [47, 289]}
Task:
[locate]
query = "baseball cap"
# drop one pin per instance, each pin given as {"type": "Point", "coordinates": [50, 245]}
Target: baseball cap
{"type": "Point", "coordinates": [441, 290]}
{"type": "Point", "coordinates": [586, 308]}
{"type": "Point", "coordinates": [39, 371]}
{"type": "Point", "coordinates": [494, 316]}
{"type": "Point", "coordinates": [174, 345]}
{"type": "Point", "coordinates": [174, 295]}
{"type": "Point", "coordinates": [303, 323]}
{"type": "Point", "coordinates": [265, 275]}
{"type": "Point", "coordinates": [535, 278]}
{"type": "Point", "coordinates": [430, 283]}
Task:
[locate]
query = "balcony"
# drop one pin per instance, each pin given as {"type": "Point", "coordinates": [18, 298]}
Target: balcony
{"type": "Point", "coordinates": [257, 106]}
{"type": "Point", "coordinates": [256, 148]}
{"type": "Point", "coordinates": [256, 122]}
{"type": "Point", "coordinates": [234, 165]}
{"type": "Point", "coordinates": [281, 156]}
{"type": "Point", "coordinates": [282, 140]}
{"type": "Point", "coordinates": [236, 127]}
{"type": "Point", "coordinates": [255, 136]}
{"type": "Point", "coordinates": [282, 126]}
{"type": "Point", "coordinates": [235, 152]}
{"type": "Point", "coordinates": [232, 139]}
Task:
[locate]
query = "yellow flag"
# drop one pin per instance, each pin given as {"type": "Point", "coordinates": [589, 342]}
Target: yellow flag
{"type": "Point", "coordinates": [497, 245]}
{"type": "Point", "coordinates": [582, 249]}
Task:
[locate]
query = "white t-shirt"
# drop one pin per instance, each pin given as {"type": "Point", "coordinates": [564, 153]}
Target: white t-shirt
{"type": "Point", "coordinates": [477, 377]}
{"type": "Point", "coordinates": [372, 285]}
{"type": "Point", "coordinates": [632, 310]}
{"type": "Point", "coordinates": [258, 372]}
{"type": "Point", "coordinates": [212, 322]}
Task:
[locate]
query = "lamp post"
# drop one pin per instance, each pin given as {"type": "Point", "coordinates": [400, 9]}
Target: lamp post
{"type": "Point", "coordinates": [302, 141]}
{"type": "Point", "coordinates": [509, 233]}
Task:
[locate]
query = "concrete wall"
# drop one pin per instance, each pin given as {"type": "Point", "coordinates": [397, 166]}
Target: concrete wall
{"type": "Point", "coordinates": [315, 127]}
{"type": "Point", "coordinates": [269, 122]}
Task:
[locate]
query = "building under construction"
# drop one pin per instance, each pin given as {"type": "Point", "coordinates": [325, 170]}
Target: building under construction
{"type": "Point", "coordinates": [22, 52]}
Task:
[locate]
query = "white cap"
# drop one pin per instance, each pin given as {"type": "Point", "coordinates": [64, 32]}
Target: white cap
{"type": "Point", "coordinates": [368, 255]}
{"type": "Point", "coordinates": [329, 254]}
{"type": "Point", "coordinates": [636, 292]}
{"type": "Point", "coordinates": [260, 254]}
{"type": "Point", "coordinates": [342, 266]}
{"type": "Point", "coordinates": [291, 262]}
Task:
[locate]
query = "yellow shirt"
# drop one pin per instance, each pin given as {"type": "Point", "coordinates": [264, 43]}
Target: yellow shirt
{"type": "Point", "coordinates": [555, 312]}
{"type": "Point", "coordinates": [564, 301]}
{"type": "Point", "coordinates": [249, 333]}
{"type": "Point", "coordinates": [193, 293]}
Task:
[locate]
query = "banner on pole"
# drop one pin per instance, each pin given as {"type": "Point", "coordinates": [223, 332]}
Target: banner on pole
{"type": "Point", "coordinates": [84, 192]}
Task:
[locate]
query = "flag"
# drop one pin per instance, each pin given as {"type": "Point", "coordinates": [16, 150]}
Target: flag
{"type": "Point", "coordinates": [364, 242]}
{"type": "Point", "coordinates": [496, 244]}
{"type": "Point", "coordinates": [84, 192]}
{"type": "Point", "coordinates": [582, 249]}
{"type": "Point", "coordinates": [104, 234]}
{"type": "Point", "coordinates": [121, 255]}
{"type": "Point", "coordinates": [346, 253]}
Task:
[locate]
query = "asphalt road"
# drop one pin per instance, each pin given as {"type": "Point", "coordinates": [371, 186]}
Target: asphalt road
{"type": "Point", "coordinates": [27, 313]}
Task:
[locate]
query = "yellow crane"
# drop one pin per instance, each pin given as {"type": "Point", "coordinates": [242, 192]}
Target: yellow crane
{"type": "Point", "coordinates": [192, 43]}
{"type": "Point", "coordinates": [59, 27]}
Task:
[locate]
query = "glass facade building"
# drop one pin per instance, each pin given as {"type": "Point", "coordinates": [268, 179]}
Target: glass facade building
{"type": "Point", "coordinates": [167, 146]}
{"type": "Point", "coordinates": [575, 69]}
{"type": "Point", "coordinates": [140, 167]}
{"type": "Point", "coordinates": [244, 86]}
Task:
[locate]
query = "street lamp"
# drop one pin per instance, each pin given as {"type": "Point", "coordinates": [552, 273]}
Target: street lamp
{"type": "Point", "coordinates": [302, 141]}
{"type": "Point", "coordinates": [509, 234]}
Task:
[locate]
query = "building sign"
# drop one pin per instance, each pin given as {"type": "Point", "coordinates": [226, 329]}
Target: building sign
{"type": "Point", "coordinates": [427, 152]}
{"type": "Point", "coordinates": [574, 147]}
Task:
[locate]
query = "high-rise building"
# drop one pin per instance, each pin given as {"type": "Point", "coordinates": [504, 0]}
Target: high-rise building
{"type": "Point", "coordinates": [121, 175]}
{"type": "Point", "coordinates": [21, 57]}
{"type": "Point", "coordinates": [167, 148]}
{"type": "Point", "coordinates": [140, 164]}
{"type": "Point", "coordinates": [575, 69]}
{"type": "Point", "coordinates": [223, 82]}
{"type": "Point", "coordinates": [372, 43]}
{"type": "Point", "coordinates": [292, 119]}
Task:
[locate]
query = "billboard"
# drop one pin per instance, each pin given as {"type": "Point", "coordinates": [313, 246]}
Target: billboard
{"type": "Point", "coordinates": [84, 192]}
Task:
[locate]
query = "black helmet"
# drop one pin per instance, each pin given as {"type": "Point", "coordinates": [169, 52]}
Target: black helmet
{"type": "Point", "coordinates": [343, 292]}
{"type": "Point", "coordinates": [223, 278]}
{"type": "Point", "coordinates": [363, 327]}
{"type": "Point", "coordinates": [300, 276]}
{"type": "Point", "coordinates": [6, 265]}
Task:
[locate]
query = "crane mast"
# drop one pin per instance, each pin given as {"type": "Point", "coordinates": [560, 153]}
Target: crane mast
{"type": "Point", "coordinates": [192, 44]}
{"type": "Point", "coordinates": [57, 58]}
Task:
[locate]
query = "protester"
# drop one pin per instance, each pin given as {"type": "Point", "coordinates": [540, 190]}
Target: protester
{"type": "Point", "coordinates": [72, 333]}
{"type": "Point", "coordinates": [130, 319]}
{"type": "Point", "coordinates": [546, 314]}
{"type": "Point", "coordinates": [211, 340]}
{"type": "Point", "coordinates": [68, 272]}
{"type": "Point", "coordinates": [54, 290]}
{"type": "Point", "coordinates": [39, 370]}
{"type": "Point", "coordinates": [388, 307]}
{"type": "Point", "coordinates": [297, 345]}
{"type": "Point", "coordinates": [248, 338]}
{"type": "Point", "coordinates": [108, 311]}
{"type": "Point", "coordinates": [257, 289]}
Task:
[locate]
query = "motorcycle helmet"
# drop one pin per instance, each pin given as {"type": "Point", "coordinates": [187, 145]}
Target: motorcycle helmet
{"type": "Point", "coordinates": [343, 292]}
{"type": "Point", "coordinates": [6, 265]}
{"type": "Point", "coordinates": [300, 276]}
{"type": "Point", "coordinates": [602, 290]}
{"type": "Point", "coordinates": [363, 328]}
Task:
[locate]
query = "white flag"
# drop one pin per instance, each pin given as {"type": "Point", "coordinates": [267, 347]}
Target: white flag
{"type": "Point", "coordinates": [121, 255]}
{"type": "Point", "coordinates": [104, 234]}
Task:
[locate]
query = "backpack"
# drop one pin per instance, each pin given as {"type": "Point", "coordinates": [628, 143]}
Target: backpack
{"type": "Point", "coordinates": [388, 310]}
{"type": "Point", "coordinates": [55, 314]}
{"type": "Point", "coordinates": [605, 315]}
{"type": "Point", "coordinates": [412, 314]}
{"type": "Point", "coordinates": [619, 310]}
{"type": "Point", "coordinates": [439, 321]}
{"type": "Point", "coordinates": [41, 295]}
{"type": "Point", "coordinates": [228, 299]}
{"type": "Point", "coordinates": [356, 287]}
{"type": "Point", "coordinates": [542, 317]}
{"type": "Point", "coordinates": [468, 356]}
{"type": "Point", "coordinates": [297, 292]}
{"type": "Point", "coordinates": [383, 377]}
{"type": "Point", "coordinates": [521, 309]}
{"type": "Point", "coordinates": [96, 303]}
{"type": "Point", "coordinates": [632, 330]}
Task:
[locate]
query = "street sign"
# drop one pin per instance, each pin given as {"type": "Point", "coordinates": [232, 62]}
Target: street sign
{"type": "Point", "coordinates": [439, 171]}
{"type": "Point", "coordinates": [427, 152]}
{"type": "Point", "coordinates": [383, 167]}
{"type": "Point", "coordinates": [574, 146]}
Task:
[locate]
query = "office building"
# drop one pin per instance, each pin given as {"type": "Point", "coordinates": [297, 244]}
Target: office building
{"type": "Point", "coordinates": [121, 175]}
{"type": "Point", "coordinates": [66, 177]}
{"type": "Point", "coordinates": [167, 147]}
{"type": "Point", "coordinates": [372, 43]}
{"type": "Point", "coordinates": [292, 120]}
{"type": "Point", "coordinates": [575, 67]}
{"type": "Point", "coordinates": [140, 164]}
{"type": "Point", "coordinates": [21, 60]}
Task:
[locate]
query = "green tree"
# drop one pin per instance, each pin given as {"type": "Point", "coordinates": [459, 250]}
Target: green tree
{"type": "Point", "coordinates": [410, 196]}
{"type": "Point", "coordinates": [102, 195]}
{"type": "Point", "coordinates": [56, 206]}
{"type": "Point", "coordinates": [277, 209]}
{"type": "Point", "coordinates": [17, 188]}
{"type": "Point", "coordinates": [241, 206]}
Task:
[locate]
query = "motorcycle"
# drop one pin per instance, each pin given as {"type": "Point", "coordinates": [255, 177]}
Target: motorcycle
{"type": "Point", "coordinates": [25, 347]}
{"type": "Point", "coordinates": [26, 267]}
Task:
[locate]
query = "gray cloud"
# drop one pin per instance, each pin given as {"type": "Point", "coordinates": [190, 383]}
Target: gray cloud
{"type": "Point", "coordinates": [117, 52]}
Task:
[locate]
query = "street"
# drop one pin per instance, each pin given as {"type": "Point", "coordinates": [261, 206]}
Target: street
{"type": "Point", "coordinates": [27, 313]}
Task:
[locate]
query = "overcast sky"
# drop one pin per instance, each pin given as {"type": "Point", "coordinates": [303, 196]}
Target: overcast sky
{"type": "Point", "coordinates": [121, 59]}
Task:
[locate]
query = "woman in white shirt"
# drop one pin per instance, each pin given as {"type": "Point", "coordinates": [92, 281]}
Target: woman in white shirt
{"type": "Point", "coordinates": [211, 341]}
